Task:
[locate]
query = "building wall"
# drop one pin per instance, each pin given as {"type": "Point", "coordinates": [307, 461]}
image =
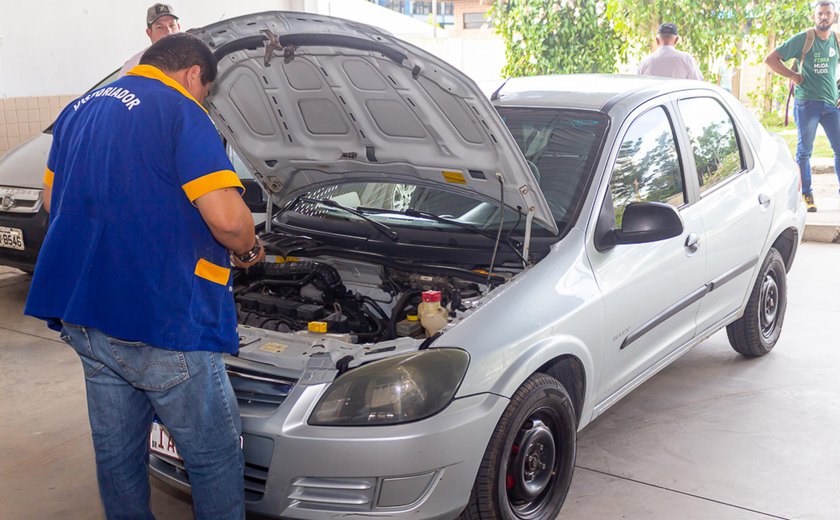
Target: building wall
{"type": "Point", "coordinates": [74, 45]}
{"type": "Point", "coordinates": [470, 6]}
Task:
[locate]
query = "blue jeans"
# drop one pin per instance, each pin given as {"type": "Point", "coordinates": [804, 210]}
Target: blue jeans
{"type": "Point", "coordinates": [127, 383]}
{"type": "Point", "coordinates": [808, 113]}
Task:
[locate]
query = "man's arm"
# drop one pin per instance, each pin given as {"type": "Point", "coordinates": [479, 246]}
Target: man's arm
{"type": "Point", "coordinates": [774, 61]}
{"type": "Point", "coordinates": [230, 221]}
{"type": "Point", "coordinates": [46, 196]}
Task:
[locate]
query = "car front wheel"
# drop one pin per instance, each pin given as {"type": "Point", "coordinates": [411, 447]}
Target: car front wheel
{"type": "Point", "coordinates": [757, 331]}
{"type": "Point", "coordinates": [528, 465]}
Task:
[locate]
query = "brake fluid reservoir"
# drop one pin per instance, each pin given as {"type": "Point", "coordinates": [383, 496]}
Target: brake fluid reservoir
{"type": "Point", "coordinates": [432, 315]}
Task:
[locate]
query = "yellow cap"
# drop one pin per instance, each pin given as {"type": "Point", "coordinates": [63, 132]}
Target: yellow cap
{"type": "Point", "coordinates": [412, 317]}
{"type": "Point", "coordinates": [317, 326]}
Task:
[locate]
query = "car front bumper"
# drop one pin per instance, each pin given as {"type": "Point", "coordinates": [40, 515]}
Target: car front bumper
{"type": "Point", "coordinates": [420, 470]}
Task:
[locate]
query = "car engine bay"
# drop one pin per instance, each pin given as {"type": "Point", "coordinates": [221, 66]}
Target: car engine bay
{"type": "Point", "coordinates": [353, 299]}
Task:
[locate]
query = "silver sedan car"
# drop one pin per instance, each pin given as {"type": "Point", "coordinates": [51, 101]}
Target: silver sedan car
{"type": "Point", "coordinates": [456, 285]}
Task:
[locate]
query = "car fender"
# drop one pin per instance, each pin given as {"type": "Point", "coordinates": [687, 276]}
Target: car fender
{"type": "Point", "coordinates": [537, 356]}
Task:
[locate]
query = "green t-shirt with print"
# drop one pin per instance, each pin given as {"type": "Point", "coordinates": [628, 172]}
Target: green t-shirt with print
{"type": "Point", "coordinates": [818, 71]}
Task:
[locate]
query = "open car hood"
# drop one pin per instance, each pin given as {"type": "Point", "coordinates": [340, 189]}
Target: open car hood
{"type": "Point", "coordinates": [309, 100]}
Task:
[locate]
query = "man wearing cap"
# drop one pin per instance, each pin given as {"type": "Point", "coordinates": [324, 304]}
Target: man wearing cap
{"type": "Point", "coordinates": [667, 60]}
{"type": "Point", "coordinates": [160, 21]}
{"type": "Point", "coordinates": [146, 218]}
{"type": "Point", "coordinates": [815, 94]}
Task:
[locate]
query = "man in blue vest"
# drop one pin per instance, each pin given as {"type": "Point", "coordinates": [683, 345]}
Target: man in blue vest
{"type": "Point", "coordinates": [145, 218]}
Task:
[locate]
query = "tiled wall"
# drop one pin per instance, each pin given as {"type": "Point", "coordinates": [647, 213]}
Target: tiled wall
{"type": "Point", "coordinates": [23, 117]}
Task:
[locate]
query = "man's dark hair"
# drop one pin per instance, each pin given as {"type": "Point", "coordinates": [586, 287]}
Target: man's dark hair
{"type": "Point", "coordinates": [823, 3]}
{"type": "Point", "coordinates": [181, 51]}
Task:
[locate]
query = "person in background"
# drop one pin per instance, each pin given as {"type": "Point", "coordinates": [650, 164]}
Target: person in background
{"type": "Point", "coordinates": [160, 21]}
{"type": "Point", "coordinates": [146, 218]}
{"type": "Point", "coordinates": [667, 60]}
{"type": "Point", "coordinates": [725, 73]}
{"type": "Point", "coordinates": [815, 92]}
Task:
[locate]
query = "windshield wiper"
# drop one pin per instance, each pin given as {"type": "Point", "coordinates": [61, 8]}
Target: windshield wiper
{"type": "Point", "coordinates": [444, 220]}
{"type": "Point", "coordinates": [385, 230]}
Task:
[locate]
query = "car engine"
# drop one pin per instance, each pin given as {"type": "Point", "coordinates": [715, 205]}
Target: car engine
{"type": "Point", "coordinates": [357, 301]}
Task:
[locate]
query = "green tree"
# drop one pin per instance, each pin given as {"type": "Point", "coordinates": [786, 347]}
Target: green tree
{"type": "Point", "coordinates": [566, 36]}
{"type": "Point", "coordinates": [556, 37]}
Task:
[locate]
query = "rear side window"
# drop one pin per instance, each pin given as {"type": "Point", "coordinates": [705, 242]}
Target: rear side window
{"type": "Point", "coordinates": [713, 140]}
{"type": "Point", "coordinates": [647, 168]}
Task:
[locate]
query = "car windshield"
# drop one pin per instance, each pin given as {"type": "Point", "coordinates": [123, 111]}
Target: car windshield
{"type": "Point", "coordinates": [560, 146]}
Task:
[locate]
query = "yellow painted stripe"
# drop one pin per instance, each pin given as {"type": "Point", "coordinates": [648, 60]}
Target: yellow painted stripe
{"type": "Point", "coordinates": [152, 72]}
{"type": "Point", "coordinates": [211, 182]}
{"type": "Point", "coordinates": [210, 271]}
{"type": "Point", "coordinates": [48, 177]}
{"type": "Point", "coordinates": [454, 177]}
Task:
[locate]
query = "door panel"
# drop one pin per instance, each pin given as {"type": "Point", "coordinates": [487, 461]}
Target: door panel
{"type": "Point", "coordinates": [735, 205]}
{"type": "Point", "coordinates": [651, 291]}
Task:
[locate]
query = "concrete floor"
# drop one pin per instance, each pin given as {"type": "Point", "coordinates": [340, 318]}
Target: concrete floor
{"type": "Point", "coordinates": [713, 436]}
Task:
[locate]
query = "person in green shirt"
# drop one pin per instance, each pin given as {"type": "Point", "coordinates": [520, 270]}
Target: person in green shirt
{"type": "Point", "coordinates": [815, 93]}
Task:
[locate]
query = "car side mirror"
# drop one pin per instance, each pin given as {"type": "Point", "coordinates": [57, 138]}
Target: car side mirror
{"type": "Point", "coordinates": [645, 222]}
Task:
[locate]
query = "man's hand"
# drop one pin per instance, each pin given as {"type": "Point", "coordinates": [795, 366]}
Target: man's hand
{"type": "Point", "coordinates": [796, 78]}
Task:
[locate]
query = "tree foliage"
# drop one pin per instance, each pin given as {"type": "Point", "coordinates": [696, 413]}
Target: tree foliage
{"type": "Point", "coordinates": [566, 36]}
{"type": "Point", "coordinates": [556, 37]}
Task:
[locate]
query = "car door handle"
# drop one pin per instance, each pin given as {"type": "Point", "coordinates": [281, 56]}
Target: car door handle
{"type": "Point", "coordinates": [763, 199]}
{"type": "Point", "coordinates": [692, 241]}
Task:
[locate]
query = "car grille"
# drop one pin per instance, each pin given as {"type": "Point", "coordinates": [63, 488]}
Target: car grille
{"type": "Point", "coordinates": [258, 393]}
{"type": "Point", "coordinates": [333, 494]}
{"type": "Point", "coordinates": [19, 200]}
{"type": "Point", "coordinates": [257, 451]}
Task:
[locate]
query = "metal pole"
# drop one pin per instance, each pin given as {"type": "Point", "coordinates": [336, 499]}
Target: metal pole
{"type": "Point", "coordinates": [434, 19]}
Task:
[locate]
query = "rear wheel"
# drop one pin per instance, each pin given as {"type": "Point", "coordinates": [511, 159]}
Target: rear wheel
{"type": "Point", "coordinates": [757, 331]}
{"type": "Point", "coordinates": [528, 465]}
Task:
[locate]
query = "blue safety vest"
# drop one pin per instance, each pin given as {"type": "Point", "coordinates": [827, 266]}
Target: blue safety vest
{"type": "Point", "coordinates": [127, 252]}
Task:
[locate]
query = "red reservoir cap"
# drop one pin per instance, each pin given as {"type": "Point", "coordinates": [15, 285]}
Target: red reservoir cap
{"type": "Point", "coordinates": [431, 296]}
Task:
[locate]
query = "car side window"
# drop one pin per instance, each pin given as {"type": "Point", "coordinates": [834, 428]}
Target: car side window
{"type": "Point", "coordinates": [647, 168]}
{"type": "Point", "coordinates": [713, 141]}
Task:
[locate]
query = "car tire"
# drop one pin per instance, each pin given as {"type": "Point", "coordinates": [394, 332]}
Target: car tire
{"type": "Point", "coordinates": [527, 468]}
{"type": "Point", "coordinates": [757, 331]}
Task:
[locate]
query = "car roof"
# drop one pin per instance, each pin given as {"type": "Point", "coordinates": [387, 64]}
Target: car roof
{"type": "Point", "coordinates": [599, 92]}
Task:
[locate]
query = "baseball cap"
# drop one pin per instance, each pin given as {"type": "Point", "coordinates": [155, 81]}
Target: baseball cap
{"type": "Point", "coordinates": [158, 11]}
{"type": "Point", "coordinates": [668, 28]}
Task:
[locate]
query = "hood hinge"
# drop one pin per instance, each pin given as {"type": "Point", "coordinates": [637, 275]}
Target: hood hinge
{"type": "Point", "coordinates": [274, 45]}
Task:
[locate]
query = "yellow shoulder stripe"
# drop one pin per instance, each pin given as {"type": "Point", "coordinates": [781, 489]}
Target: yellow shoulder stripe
{"type": "Point", "coordinates": [210, 271]}
{"type": "Point", "coordinates": [48, 177]}
{"type": "Point", "coordinates": [152, 72]}
{"type": "Point", "coordinates": [211, 182]}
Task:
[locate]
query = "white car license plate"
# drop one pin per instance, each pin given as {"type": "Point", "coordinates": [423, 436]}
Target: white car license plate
{"type": "Point", "coordinates": [160, 442]}
{"type": "Point", "coordinates": [11, 238]}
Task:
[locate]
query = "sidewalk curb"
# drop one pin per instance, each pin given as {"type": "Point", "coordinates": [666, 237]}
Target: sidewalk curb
{"type": "Point", "coordinates": [825, 233]}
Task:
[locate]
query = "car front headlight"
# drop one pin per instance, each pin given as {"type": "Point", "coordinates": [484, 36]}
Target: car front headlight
{"type": "Point", "coordinates": [396, 390]}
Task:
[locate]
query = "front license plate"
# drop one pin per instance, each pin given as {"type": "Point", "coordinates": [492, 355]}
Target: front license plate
{"type": "Point", "coordinates": [161, 443]}
{"type": "Point", "coordinates": [11, 238]}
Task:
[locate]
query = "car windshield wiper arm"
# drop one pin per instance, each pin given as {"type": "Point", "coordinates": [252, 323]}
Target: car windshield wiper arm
{"type": "Point", "coordinates": [443, 220]}
{"type": "Point", "coordinates": [385, 230]}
